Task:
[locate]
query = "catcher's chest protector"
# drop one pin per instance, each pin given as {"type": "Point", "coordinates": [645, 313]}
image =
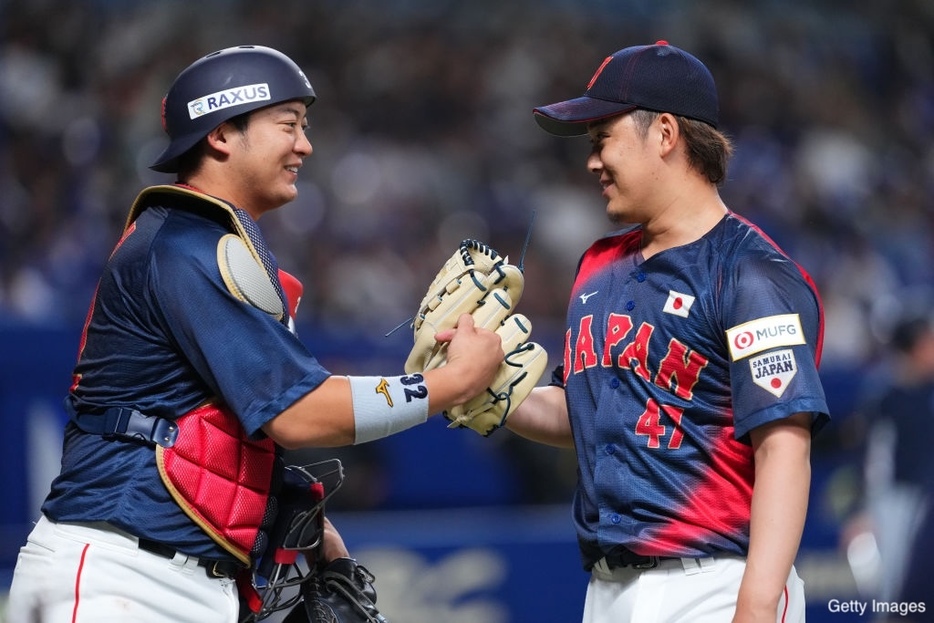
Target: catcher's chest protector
{"type": "Point", "coordinates": [219, 477]}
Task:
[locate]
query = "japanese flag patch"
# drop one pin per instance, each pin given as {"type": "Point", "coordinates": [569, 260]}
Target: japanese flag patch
{"type": "Point", "coordinates": [773, 371]}
{"type": "Point", "coordinates": [678, 304]}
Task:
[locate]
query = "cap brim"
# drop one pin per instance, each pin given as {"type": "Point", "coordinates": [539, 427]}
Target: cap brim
{"type": "Point", "coordinates": [570, 118]}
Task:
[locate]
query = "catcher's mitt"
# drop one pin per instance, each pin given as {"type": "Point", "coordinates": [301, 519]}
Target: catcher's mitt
{"type": "Point", "coordinates": [340, 592]}
{"type": "Point", "coordinates": [478, 281]}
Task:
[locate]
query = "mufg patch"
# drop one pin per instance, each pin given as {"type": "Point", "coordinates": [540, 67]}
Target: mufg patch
{"type": "Point", "coordinates": [228, 97]}
{"type": "Point", "coordinates": [774, 371]}
{"type": "Point", "coordinates": [762, 334]}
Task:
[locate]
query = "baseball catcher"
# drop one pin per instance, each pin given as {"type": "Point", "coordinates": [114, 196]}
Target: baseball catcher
{"type": "Point", "coordinates": [479, 281]}
{"type": "Point", "coordinates": [190, 380]}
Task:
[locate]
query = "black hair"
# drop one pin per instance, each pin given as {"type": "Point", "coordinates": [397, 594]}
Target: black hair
{"type": "Point", "coordinates": [190, 161]}
{"type": "Point", "coordinates": [709, 150]}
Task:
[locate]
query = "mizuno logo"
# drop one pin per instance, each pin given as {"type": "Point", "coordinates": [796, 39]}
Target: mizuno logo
{"type": "Point", "coordinates": [584, 297]}
{"type": "Point", "coordinates": [383, 388]}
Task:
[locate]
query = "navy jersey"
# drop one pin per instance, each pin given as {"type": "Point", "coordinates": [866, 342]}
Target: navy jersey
{"type": "Point", "coordinates": [669, 363]}
{"type": "Point", "coordinates": [164, 335]}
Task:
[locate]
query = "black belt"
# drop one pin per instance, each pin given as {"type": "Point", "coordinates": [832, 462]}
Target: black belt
{"type": "Point", "coordinates": [622, 557]}
{"type": "Point", "coordinates": [213, 568]}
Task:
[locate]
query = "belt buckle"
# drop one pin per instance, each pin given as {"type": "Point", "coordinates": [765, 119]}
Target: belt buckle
{"type": "Point", "coordinates": [651, 563]}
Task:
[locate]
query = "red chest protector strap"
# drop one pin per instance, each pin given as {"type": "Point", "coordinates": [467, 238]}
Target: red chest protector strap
{"type": "Point", "coordinates": [219, 476]}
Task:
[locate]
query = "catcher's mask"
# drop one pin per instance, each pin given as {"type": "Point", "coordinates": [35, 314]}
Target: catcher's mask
{"type": "Point", "coordinates": [296, 533]}
{"type": "Point", "coordinates": [223, 85]}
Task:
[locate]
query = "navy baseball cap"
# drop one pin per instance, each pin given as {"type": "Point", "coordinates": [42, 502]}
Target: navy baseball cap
{"type": "Point", "coordinates": [657, 77]}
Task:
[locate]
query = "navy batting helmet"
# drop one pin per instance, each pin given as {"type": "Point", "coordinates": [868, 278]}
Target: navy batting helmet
{"type": "Point", "coordinates": [220, 86]}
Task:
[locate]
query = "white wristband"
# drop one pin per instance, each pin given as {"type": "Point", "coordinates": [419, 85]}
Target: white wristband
{"type": "Point", "coordinates": [383, 406]}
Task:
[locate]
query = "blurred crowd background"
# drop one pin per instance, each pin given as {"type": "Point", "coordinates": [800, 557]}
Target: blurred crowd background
{"type": "Point", "coordinates": [423, 135]}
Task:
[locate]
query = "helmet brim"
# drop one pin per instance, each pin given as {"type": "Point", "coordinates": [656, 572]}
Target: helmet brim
{"type": "Point", "coordinates": [168, 160]}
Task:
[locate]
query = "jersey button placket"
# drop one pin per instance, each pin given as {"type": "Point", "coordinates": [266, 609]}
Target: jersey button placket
{"type": "Point", "coordinates": [639, 277]}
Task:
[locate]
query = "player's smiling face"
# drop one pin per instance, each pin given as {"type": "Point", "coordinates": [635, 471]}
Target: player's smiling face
{"type": "Point", "coordinates": [268, 156]}
{"type": "Point", "coordinates": [622, 161]}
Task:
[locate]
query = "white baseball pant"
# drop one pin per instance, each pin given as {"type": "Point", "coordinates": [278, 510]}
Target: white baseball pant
{"type": "Point", "coordinates": [93, 573]}
{"type": "Point", "coordinates": [679, 590]}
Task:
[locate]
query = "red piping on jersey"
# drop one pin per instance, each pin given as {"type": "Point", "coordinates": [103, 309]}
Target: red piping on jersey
{"type": "Point", "coordinates": [603, 253]}
{"type": "Point", "coordinates": [84, 552]}
{"type": "Point", "coordinates": [785, 609]}
{"type": "Point", "coordinates": [607, 250]}
{"type": "Point", "coordinates": [807, 278]}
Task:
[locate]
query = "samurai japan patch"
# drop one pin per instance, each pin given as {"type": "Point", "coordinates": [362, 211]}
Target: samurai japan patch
{"type": "Point", "coordinates": [773, 371]}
